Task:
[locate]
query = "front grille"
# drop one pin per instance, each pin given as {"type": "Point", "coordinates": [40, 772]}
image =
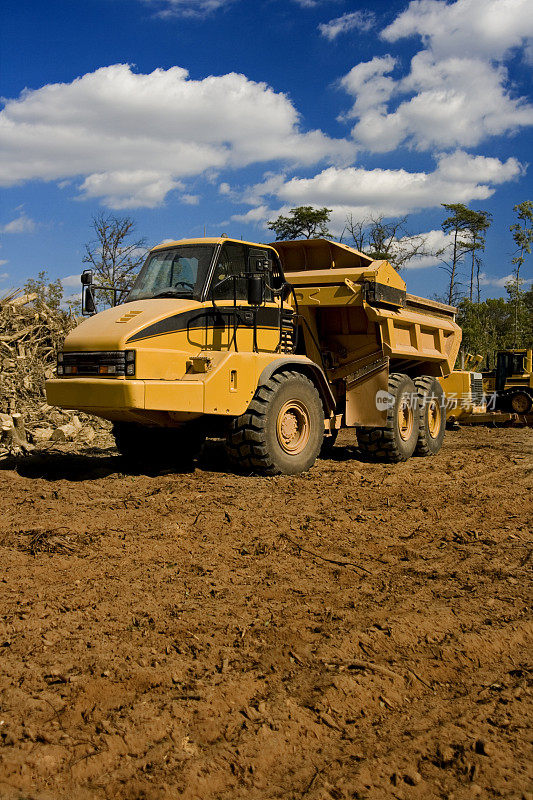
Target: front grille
{"type": "Point", "coordinates": [91, 363]}
{"type": "Point", "coordinates": [476, 388]}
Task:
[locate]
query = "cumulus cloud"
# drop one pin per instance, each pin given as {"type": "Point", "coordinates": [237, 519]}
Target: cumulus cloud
{"type": "Point", "coordinates": [21, 224]}
{"type": "Point", "coordinates": [103, 125]}
{"type": "Point", "coordinates": [456, 94]}
{"type": "Point", "coordinates": [390, 192]}
{"type": "Point", "coordinates": [435, 241]}
{"type": "Point", "coordinates": [487, 28]}
{"type": "Point", "coordinates": [356, 20]}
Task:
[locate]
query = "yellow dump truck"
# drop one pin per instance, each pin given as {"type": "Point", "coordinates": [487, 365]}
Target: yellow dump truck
{"type": "Point", "coordinates": [275, 347]}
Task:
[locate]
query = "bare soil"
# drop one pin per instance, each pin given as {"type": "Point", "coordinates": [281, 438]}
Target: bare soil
{"type": "Point", "coordinates": [361, 631]}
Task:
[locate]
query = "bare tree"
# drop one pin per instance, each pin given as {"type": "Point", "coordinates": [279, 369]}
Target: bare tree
{"type": "Point", "coordinates": [388, 241]}
{"type": "Point", "coordinates": [115, 254]}
{"type": "Point", "coordinates": [458, 224]}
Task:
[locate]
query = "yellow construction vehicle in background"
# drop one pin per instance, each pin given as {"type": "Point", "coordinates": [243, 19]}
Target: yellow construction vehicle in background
{"type": "Point", "coordinates": [275, 347]}
{"type": "Point", "coordinates": [511, 381]}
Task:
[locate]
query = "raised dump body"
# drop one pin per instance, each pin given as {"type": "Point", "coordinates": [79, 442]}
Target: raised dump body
{"type": "Point", "coordinates": [275, 347]}
{"type": "Point", "coordinates": [359, 323]}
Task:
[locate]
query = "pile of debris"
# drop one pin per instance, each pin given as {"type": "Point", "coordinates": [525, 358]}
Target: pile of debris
{"type": "Point", "coordinates": [30, 335]}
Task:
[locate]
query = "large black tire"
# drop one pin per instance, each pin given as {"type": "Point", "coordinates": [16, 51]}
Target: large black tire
{"type": "Point", "coordinates": [397, 440]}
{"type": "Point", "coordinates": [282, 430]}
{"type": "Point", "coordinates": [158, 447]}
{"type": "Point", "coordinates": [431, 416]}
{"type": "Point", "coordinates": [520, 402]}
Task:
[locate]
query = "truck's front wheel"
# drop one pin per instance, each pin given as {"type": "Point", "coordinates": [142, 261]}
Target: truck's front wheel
{"type": "Point", "coordinates": [283, 428]}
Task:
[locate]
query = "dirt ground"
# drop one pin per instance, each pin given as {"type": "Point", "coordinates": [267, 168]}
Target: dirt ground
{"type": "Point", "coordinates": [361, 631]}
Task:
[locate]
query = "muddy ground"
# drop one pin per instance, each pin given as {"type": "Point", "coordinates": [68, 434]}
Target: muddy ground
{"type": "Point", "coordinates": [361, 631]}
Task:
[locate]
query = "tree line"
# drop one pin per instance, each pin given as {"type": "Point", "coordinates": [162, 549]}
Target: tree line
{"type": "Point", "coordinates": [116, 253]}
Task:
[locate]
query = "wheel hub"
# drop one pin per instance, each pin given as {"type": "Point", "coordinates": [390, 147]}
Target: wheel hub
{"type": "Point", "coordinates": [434, 418]}
{"type": "Point", "coordinates": [405, 419]}
{"type": "Point", "coordinates": [293, 427]}
{"type": "Point", "coordinates": [520, 403]}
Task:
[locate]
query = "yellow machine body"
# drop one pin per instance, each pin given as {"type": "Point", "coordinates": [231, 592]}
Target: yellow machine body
{"type": "Point", "coordinates": [347, 324]}
{"type": "Point", "coordinates": [463, 390]}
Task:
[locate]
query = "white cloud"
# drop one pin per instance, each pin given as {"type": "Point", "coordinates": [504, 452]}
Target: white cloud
{"type": "Point", "coordinates": [4, 275]}
{"type": "Point", "coordinates": [72, 280]}
{"type": "Point", "coordinates": [488, 280]}
{"type": "Point", "coordinates": [487, 28]}
{"type": "Point", "coordinates": [435, 241]}
{"type": "Point", "coordinates": [190, 199]}
{"type": "Point", "coordinates": [104, 124]}
{"type": "Point", "coordinates": [455, 95]}
{"type": "Point", "coordinates": [255, 215]}
{"type": "Point", "coordinates": [129, 189]}
{"type": "Point", "coordinates": [187, 8]}
{"type": "Point", "coordinates": [356, 20]}
{"type": "Point", "coordinates": [455, 102]}
{"type": "Point", "coordinates": [390, 192]}
{"type": "Point", "coordinates": [21, 224]}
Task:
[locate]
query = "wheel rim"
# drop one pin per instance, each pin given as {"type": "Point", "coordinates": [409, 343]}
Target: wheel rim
{"type": "Point", "coordinates": [405, 419]}
{"type": "Point", "coordinates": [434, 418]}
{"type": "Point", "coordinates": [520, 403]}
{"type": "Point", "coordinates": [293, 427]}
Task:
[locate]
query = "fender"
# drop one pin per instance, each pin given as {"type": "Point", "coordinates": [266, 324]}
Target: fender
{"type": "Point", "coordinates": [311, 370]}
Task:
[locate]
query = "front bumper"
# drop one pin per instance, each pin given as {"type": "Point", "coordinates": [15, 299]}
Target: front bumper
{"type": "Point", "coordinates": [98, 395]}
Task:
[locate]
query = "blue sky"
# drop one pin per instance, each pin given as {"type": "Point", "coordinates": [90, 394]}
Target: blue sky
{"type": "Point", "coordinates": [224, 113]}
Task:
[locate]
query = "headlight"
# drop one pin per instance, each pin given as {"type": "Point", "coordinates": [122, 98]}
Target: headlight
{"type": "Point", "coordinates": [130, 362]}
{"type": "Point", "coordinates": [59, 369]}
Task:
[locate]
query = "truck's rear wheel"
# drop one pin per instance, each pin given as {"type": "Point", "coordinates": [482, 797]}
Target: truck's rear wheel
{"type": "Point", "coordinates": [155, 447]}
{"type": "Point", "coordinates": [520, 402]}
{"type": "Point", "coordinates": [283, 428]}
{"type": "Point", "coordinates": [397, 440]}
{"type": "Point", "coordinates": [432, 416]}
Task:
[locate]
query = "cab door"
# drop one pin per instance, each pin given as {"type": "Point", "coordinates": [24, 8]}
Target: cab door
{"type": "Point", "coordinates": [231, 322]}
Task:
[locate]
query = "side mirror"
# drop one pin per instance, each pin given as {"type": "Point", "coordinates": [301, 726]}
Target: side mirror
{"type": "Point", "coordinates": [256, 290]}
{"type": "Point", "coordinates": [87, 277]}
{"type": "Point", "coordinates": [88, 305]}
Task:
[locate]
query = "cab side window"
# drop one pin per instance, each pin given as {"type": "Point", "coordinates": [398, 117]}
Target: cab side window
{"type": "Point", "coordinates": [261, 261]}
{"type": "Point", "coordinates": [231, 262]}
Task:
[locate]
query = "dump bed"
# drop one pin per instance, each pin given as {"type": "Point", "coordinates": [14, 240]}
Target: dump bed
{"type": "Point", "coordinates": [354, 308]}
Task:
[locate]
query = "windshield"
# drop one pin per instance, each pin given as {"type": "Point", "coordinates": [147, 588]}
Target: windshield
{"type": "Point", "coordinates": [177, 272]}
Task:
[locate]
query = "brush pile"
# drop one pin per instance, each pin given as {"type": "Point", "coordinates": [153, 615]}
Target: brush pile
{"type": "Point", "coordinates": [30, 335]}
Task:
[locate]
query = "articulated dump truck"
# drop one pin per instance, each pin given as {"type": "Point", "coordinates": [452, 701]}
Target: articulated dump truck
{"type": "Point", "coordinates": [273, 347]}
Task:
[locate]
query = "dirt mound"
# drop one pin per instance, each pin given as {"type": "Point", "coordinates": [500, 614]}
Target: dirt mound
{"type": "Point", "coordinates": [361, 631]}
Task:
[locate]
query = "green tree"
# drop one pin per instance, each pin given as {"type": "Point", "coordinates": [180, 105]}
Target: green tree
{"type": "Point", "coordinates": [303, 222]}
{"type": "Point", "coordinates": [389, 241]}
{"type": "Point", "coordinates": [523, 238]}
{"type": "Point", "coordinates": [48, 293]}
{"type": "Point", "coordinates": [458, 223]}
{"type": "Point", "coordinates": [485, 326]}
{"type": "Point", "coordinates": [115, 255]}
